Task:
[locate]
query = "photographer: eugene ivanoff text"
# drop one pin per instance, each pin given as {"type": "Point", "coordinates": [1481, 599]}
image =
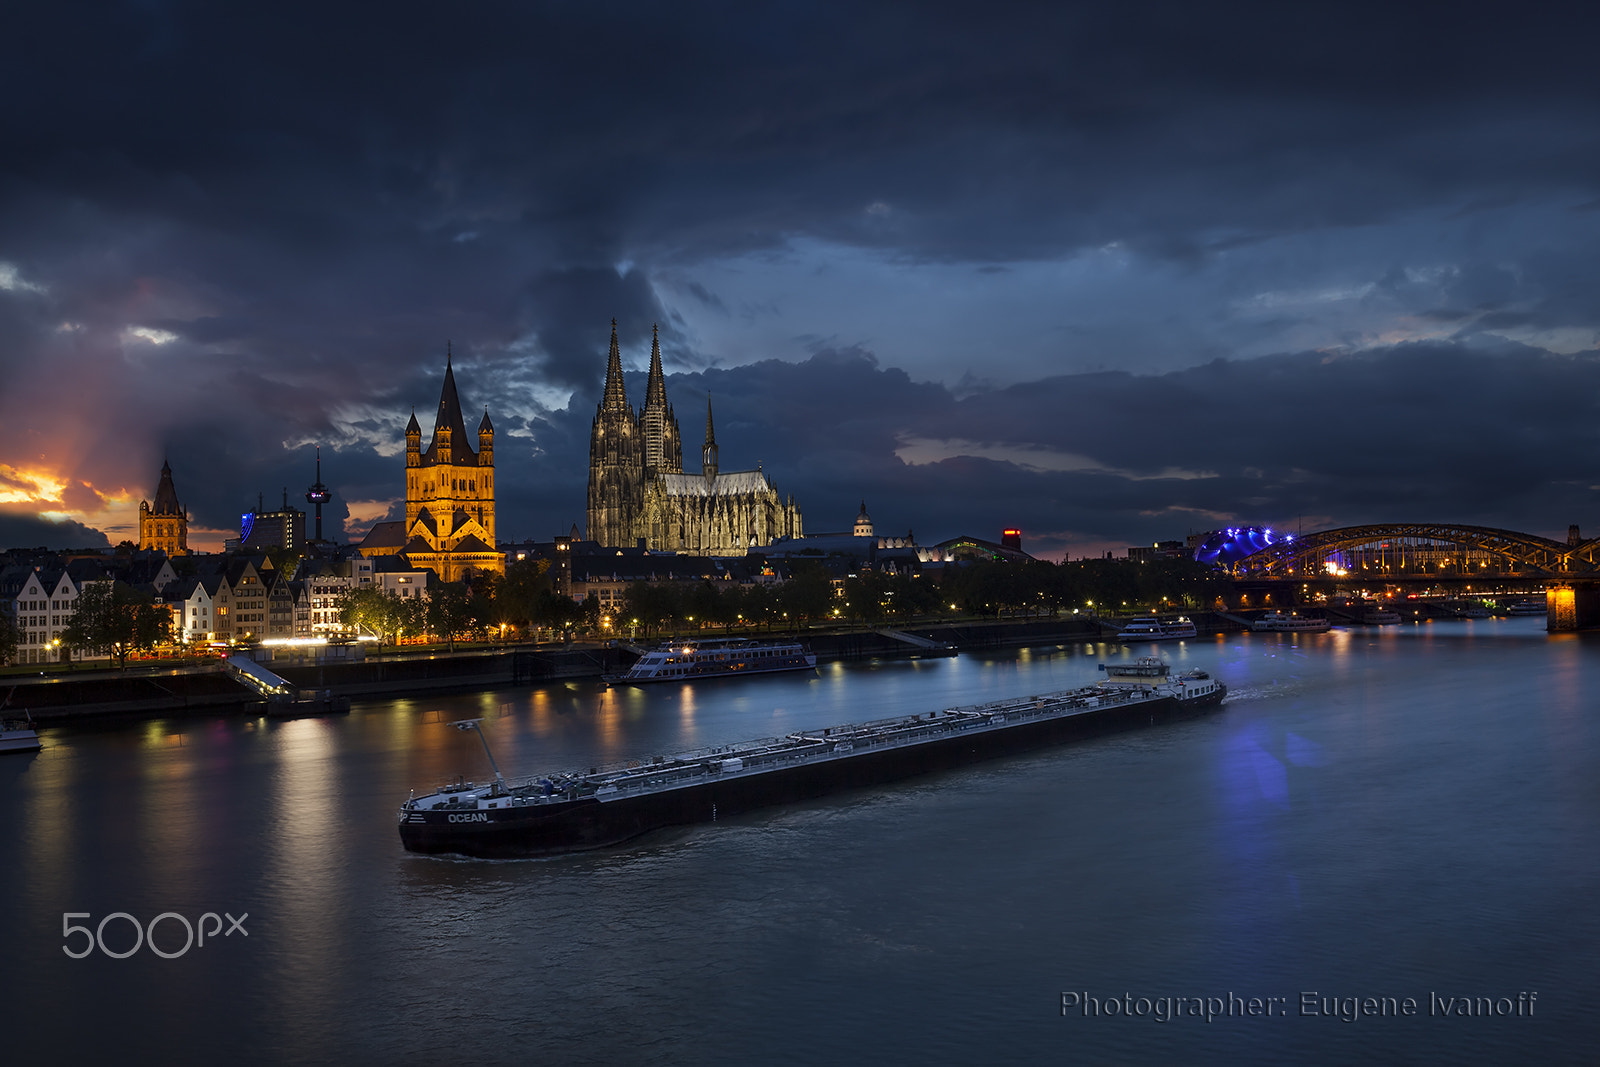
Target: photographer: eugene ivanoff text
{"type": "Point", "coordinates": [1309, 1005]}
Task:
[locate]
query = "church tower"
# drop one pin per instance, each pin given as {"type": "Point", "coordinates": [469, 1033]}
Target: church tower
{"type": "Point", "coordinates": [863, 522]}
{"type": "Point", "coordinates": [658, 427]}
{"type": "Point", "coordinates": [616, 461]}
{"type": "Point", "coordinates": [165, 527]}
{"type": "Point", "coordinates": [450, 491]}
{"type": "Point", "coordinates": [708, 454]}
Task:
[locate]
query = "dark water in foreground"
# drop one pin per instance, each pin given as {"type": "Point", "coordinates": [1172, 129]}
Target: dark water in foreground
{"type": "Point", "coordinates": [1392, 813]}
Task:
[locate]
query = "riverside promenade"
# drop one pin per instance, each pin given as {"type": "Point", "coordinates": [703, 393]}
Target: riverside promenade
{"type": "Point", "coordinates": [147, 691]}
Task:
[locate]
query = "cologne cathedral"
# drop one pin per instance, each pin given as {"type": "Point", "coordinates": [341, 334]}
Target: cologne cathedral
{"type": "Point", "coordinates": [450, 492]}
{"type": "Point", "coordinates": [639, 492]}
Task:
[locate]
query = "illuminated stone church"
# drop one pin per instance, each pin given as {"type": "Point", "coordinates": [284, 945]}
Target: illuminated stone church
{"type": "Point", "coordinates": [639, 491]}
{"type": "Point", "coordinates": [164, 527]}
{"type": "Point", "coordinates": [450, 493]}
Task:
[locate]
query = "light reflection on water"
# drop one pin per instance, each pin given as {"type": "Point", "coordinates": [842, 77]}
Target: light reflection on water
{"type": "Point", "coordinates": [1375, 812]}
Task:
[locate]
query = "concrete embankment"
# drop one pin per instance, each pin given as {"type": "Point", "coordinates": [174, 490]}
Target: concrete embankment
{"type": "Point", "coordinates": [133, 694]}
{"type": "Point", "coordinates": [147, 693]}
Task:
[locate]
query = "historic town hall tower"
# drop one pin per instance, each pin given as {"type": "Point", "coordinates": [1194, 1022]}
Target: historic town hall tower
{"type": "Point", "coordinates": [164, 527]}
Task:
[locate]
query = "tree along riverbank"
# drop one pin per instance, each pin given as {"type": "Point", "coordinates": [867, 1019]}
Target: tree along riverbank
{"type": "Point", "coordinates": [209, 689]}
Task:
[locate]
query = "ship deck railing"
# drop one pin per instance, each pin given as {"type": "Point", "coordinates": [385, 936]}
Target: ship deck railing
{"type": "Point", "coordinates": [810, 746]}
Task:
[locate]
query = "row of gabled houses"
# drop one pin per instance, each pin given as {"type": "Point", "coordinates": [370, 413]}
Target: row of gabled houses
{"type": "Point", "coordinates": [223, 599]}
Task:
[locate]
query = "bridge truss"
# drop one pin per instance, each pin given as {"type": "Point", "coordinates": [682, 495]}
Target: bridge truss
{"type": "Point", "coordinates": [1329, 553]}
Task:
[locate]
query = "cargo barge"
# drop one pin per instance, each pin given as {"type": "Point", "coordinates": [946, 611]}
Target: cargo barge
{"type": "Point", "coordinates": [570, 812]}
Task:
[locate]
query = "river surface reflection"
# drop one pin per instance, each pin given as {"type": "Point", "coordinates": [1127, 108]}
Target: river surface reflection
{"type": "Point", "coordinates": [1392, 812]}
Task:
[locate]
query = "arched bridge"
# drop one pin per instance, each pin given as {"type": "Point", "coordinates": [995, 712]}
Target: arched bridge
{"type": "Point", "coordinates": [1428, 544]}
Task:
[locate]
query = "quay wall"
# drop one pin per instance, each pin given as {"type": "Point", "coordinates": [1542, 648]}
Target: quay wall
{"type": "Point", "coordinates": [149, 693]}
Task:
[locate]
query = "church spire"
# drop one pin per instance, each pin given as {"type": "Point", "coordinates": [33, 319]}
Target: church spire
{"type": "Point", "coordinates": [449, 428]}
{"type": "Point", "coordinates": [616, 398]}
{"type": "Point", "coordinates": [655, 390]}
{"type": "Point", "coordinates": [708, 454]}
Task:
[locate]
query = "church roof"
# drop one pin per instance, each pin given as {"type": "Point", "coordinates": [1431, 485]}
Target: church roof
{"type": "Point", "coordinates": [449, 418]}
{"type": "Point", "coordinates": [863, 517]}
{"type": "Point", "coordinates": [471, 543]}
{"type": "Point", "coordinates": [385, 535]}
{"type": "Point", "coordinates": [727, 483]}
{"type": "Point", "coordinates": [412, 427]}
{"type": "Point", "coordinates": [486, 426]}
{"type": "Point", "coordinates": [166, 495]}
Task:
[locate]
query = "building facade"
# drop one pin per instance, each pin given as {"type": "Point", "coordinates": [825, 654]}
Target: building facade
{"type": "Point", "coordinates": [165, 526]}
{"type": "Point", "coordinates": [261, 530]}
{"type": "Point", "coordinates": [450, 493]}
{"type": "Point", "coordinates": [638, 491]}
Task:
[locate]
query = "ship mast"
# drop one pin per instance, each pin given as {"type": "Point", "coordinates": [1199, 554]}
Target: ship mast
{"type": "Point", "coordinates": [474, 724]}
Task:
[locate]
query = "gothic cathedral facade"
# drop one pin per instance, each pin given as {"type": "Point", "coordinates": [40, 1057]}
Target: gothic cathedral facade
{"type": "Point", "coordinates": [450, 493]}
{"type": "Point", "coordinates": [639, 492]}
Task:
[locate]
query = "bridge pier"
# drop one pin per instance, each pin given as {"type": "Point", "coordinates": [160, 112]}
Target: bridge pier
{"type": "Point", "coordinates": [1572, 605]}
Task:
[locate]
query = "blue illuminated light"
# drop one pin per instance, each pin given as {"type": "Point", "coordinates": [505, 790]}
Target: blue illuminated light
{"type": "Point", "coordinates": [1227, 547]}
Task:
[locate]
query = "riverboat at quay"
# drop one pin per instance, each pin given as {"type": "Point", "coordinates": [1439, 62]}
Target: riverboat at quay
{"type": "Point", "coordinates": [18, 737]}
{"type": "Point", "coordinates": [1527, 607]}
{"type": "Point", "coordinates": [1157, 629]}
{"type": "Point", "coordinates": [1294, 622]}
{"type": "Point", "coordinates": [686, 661]}
{"type": "Point", "coordinates": [574, 811]}
{"type": "Point", "coordinates": [1378, 616]}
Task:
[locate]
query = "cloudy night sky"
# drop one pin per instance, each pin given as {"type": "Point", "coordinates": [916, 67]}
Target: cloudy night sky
{"type": "Point", "coordinates": [1108, 273]}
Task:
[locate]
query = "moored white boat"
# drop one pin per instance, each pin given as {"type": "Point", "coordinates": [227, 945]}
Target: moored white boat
{"type": "Point", "coordinates": [1527, 607]}
{"type": "Point", "coordinates": [18, 737]}
{"type": "Point", "coordinates": [1379, 616]}
{"type": "Point", "coordinates": [1293, 622]}
{"type": "Point", "coordinates": [1152, 628]}
{"type": "Point", "coordinates": [686, 661]}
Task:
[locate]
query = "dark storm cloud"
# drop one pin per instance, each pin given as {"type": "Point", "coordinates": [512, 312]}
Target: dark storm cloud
{"type": "Point", "coordinates": [229, 234]}
{"type": "Point", "coordinates": [30, 531]}
{"type": "Point", "coordinates": [1507, 438]}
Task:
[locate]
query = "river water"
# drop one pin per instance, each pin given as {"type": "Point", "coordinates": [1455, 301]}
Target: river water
{"type": "Point", "coordinates": [1411, 812]}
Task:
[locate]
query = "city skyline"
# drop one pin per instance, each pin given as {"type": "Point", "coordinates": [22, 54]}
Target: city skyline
{"type": "Point", "coordinates": [1106, 276]}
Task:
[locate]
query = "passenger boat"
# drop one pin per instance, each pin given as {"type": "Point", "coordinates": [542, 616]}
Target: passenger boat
{"type": "Point", "coordinates": [1152, 628]}
{"type": "Point", "coordinates": [1471, 610]}
{"type": "Point", "coordinates": [1378, 616]}
{"type": "Point", "coordinates": [684, 661]}
{"type": "Point", "coordinates": [18, 737]}
{"type": "Point", "coordinates": [1293, 622]}
{"type": "Point", "coordinates": [1527, 607]}
{"type": "Point", "coordinates": [572, 811]}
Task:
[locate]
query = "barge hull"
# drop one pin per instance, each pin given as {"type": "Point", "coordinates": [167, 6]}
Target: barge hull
{"type": "Point", "coordinates": [591, 822]}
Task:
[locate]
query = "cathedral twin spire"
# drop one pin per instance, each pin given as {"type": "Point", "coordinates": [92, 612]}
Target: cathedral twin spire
{"type": "Point", "coordinates": [708, 454]}
{"type": "Point", "coordinates": [656, 423]}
